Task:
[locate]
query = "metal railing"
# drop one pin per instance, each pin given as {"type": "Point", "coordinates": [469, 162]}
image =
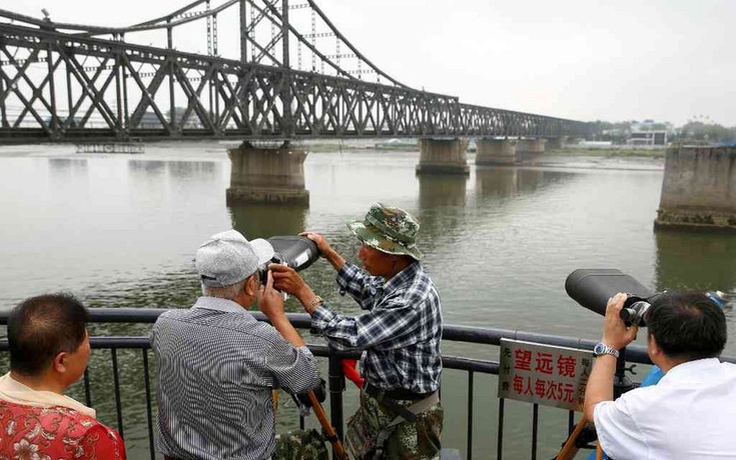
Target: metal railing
{"type": "Point", "coordinates": [336, 378]}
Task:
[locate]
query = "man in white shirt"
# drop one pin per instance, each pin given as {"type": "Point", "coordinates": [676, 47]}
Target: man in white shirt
{"type": "Point", "coordinates": [689, 413]}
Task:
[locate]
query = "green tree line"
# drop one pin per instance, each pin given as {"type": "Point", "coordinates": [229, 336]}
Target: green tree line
{"type": "Point", "coordinates": [693, 130]}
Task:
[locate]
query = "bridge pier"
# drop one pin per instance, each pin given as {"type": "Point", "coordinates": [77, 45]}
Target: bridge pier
{"type": "Point", "coordinates": [531, 145]}
{"type": "Point", "coordinates": [555, 143]}
{"type": "Point", "coordinates": [267, 175]}
{"type": "Point", "coordinates": [697, 190]}
{"type": "Point", "coordinates": [489, 151]}
{"type": "Point", "coordinates": [443, 156]}
{"type": "Point", "coordinates": [530, 149]}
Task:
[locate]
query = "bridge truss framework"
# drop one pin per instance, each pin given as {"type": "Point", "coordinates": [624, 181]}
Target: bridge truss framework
{"type": "Point", "coordinates": [60, 87]}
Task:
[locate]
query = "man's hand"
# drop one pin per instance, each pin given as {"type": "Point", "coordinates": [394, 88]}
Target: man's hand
{"type": "Point", "coordinates": [616, 335]}
{"type": "Point", "coordinates": [615, 332]}
{"type": "Point", "coordinates": [320, 241]}
{"type": "Point", "coordinates": [270, 301]}
{"type": "Point", "coordinates": [287, 280]}
{"type": "Point", "coordinates": [332, 256]}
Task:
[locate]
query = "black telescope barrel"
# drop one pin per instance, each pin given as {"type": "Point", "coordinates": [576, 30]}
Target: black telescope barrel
{"type": "Point", "coordinates": [299, 252]}
{"type": "Point", "coordinates": [592, 287]}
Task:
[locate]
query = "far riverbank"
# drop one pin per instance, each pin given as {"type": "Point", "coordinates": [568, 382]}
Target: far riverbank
{"type": "Point", "coordinates": [608, 151]}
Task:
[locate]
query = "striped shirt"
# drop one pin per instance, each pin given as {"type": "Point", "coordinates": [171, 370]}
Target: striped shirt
{"type": "Point", "coordinates": [217, 366]}
{"type": "Point", "coordinates": [400, 333]}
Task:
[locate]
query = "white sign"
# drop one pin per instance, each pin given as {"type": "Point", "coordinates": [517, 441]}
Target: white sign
{"type": "Point", "coordinates": [543, 374]}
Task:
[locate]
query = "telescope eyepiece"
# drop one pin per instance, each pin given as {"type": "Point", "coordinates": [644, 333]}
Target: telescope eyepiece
{"type": "Point", "coordinates": [263, 269]}
{"type": "Point", "coordinates": [634, 312]}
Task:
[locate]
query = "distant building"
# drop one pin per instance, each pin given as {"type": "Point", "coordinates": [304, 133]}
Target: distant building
{"type": "Point", "coordinates": [648, 138]}
{"type": "Point", "coordinates": [648, 132]}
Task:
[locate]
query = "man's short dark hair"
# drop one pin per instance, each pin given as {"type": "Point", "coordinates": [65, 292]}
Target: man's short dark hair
{"type": "Point", "coordinates": [687, 324]}
{"type": "Point", "coordinates": [41, 327]}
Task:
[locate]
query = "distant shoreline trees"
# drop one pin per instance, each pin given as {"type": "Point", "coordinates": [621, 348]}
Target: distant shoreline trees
{"type": "Point", "coordinates": [700, 129]}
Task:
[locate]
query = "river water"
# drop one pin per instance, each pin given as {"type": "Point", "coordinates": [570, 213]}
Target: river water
{"type": "Point", "coordinates": [121, 231]}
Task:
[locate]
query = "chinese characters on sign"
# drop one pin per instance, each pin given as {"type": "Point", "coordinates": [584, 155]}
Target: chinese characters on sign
{"type": "Point", "coordinates": [543, 374]}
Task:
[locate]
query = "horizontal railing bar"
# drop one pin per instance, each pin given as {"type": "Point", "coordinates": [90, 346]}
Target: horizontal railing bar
{"type": "Point", "coordinates": [323, 351]}
{"type": "Point", "coordinates": [467, 364]}
{"type": "Point", "coordinates": [468, 334]}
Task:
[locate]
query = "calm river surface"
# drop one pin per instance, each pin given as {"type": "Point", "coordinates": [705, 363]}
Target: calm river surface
{"type": "Point", "coordinates": [121, 231]}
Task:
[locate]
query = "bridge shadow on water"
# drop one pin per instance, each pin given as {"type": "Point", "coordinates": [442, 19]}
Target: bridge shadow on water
{"type": "Point", "coordinates": [508, 182]}
{"type": "Point", "coordinates": [266, 220]}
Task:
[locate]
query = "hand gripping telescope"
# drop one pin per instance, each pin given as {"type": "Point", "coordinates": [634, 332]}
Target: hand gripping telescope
{"type": "Point", "coordinates": [297, 252]}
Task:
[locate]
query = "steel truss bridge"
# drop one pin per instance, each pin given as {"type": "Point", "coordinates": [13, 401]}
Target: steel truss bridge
{"type": "Point", "coordinates": [69, 82]}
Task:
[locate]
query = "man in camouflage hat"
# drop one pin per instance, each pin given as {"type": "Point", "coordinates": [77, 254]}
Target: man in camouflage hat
{"type": "Point", "coordinates": [400, 416]}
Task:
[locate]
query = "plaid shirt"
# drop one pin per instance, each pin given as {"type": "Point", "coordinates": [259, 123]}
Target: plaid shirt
{"type": "Point", "coordinates": [400, 333]}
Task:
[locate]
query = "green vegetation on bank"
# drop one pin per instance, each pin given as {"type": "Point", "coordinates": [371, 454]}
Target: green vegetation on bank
{"type": "Point", "coordinates": [699, 129]}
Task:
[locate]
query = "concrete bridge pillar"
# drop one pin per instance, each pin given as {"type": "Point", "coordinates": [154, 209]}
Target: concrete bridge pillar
{"type": "Point", "coordinates": [697, 189]}
{"type": "Point", "coordinates": [267, 175]}
{"type": "Point", "coordinates": [528, 150]}
{"type": "Point", "coordinates": [443, 156]}
{"type": "Point", "coordinates": [555, 143]}
{"type": "Point", "coordinates": [495, 151]}
{"type": "Point", "coordinates": [531, 145]}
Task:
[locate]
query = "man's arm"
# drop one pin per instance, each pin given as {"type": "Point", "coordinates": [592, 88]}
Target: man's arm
{"type": "Point", "coordinates": [361, 286]}
{"type": "Point", "coordinates": [392, 322]}
{"type": "Point", "coordinates": [287, 280]}
{"type": "Point", "coordinates": [325, 250]}
{"type": "Point", "coordinates": [616, 335]}
{"type": "Point", "coordinates": [293, 369]}
{"type": "Point", "coordinates": [293, 366]}
{"type": "Point", "coordinates": [600, 383]}
{"type": "Point", "coordinates": [271, 304]}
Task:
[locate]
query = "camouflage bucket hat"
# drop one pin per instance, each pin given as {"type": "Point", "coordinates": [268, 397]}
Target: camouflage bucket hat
{"type": "Point", "coordinates": [390, 230]}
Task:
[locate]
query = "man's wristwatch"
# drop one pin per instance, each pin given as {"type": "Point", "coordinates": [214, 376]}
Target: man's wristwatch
{"type": "Point", "coordinates": [601, 349]}
{"type": "Point", "coordinates": [313, 304]}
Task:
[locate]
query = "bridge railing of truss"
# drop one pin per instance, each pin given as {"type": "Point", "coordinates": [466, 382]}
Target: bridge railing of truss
{"type": "Point", "coordinates": [336, 378]}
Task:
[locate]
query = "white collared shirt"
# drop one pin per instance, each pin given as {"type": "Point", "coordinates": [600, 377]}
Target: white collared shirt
{"type": "Point", "coordinates": [689, 415]}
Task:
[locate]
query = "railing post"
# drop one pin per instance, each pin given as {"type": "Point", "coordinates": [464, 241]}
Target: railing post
{"type": "Point", "coordinates": [336, 384]}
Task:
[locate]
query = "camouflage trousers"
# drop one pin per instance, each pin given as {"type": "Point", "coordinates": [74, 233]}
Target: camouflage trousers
{"type": "Point", "coordinates": [416, 440]}
{"type": "Point", "coordinates": [301, 445]}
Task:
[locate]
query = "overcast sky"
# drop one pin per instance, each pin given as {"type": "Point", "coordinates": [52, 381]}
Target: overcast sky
{"type": "Point", "coordinates": [668, 60]}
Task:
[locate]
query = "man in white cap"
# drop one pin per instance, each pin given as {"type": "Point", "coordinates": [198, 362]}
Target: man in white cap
{"type": "Point", "coordinates": [217, 365]}
{"type": "Point", "coordinates": [400, 416]}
